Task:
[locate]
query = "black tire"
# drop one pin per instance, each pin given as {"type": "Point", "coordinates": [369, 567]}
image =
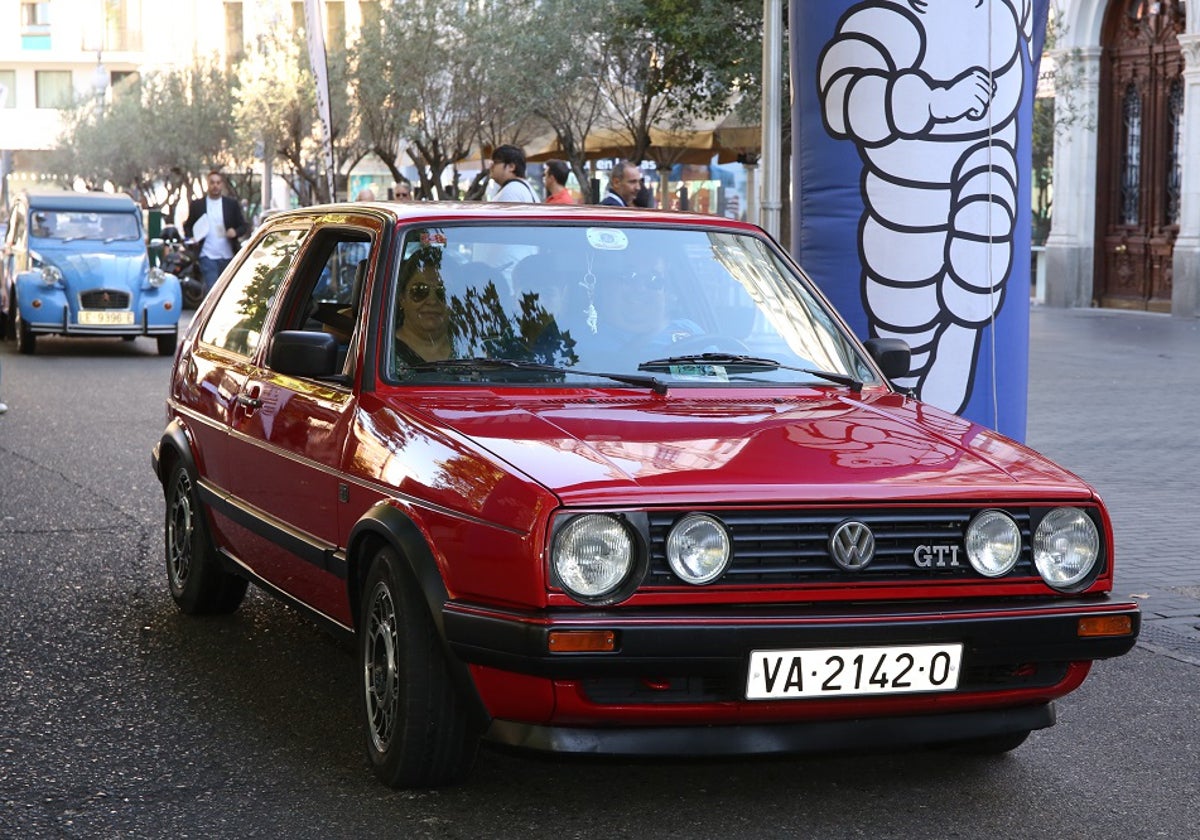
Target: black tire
{"type": "Point", "coordinates": [990, 745]}
{"type": "Point", "coordinates": [198, 583]}
{"type": "Point", "coordinates": [167, 344]}
{"type": "Point", "coordinates": [26, 338]}
{"type": "Point", "coordinates": [193, 295]}
{"type": "Point", "coordinates": [418, 730]}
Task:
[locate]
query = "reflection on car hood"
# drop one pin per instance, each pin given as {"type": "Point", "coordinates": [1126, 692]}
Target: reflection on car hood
{"type": "Point", "coordinates": [832, 448]}
{"type": "Point", "coordinates": [111, 270]}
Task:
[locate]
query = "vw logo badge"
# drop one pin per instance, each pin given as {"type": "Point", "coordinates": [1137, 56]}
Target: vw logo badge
{"type": "Point", "coordinates": [852, 545]}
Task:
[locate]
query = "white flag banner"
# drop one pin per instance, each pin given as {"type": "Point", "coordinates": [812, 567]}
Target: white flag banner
{"type": "Point", "coordinates": [320, 68]}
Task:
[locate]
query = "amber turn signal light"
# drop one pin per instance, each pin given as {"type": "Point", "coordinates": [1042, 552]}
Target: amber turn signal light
{"type": "Point", "coordinates": [1105, 625]}
{"type": "Point", "coordinates": [582, 641]}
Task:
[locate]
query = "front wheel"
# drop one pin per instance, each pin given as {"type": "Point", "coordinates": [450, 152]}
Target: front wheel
{"type": "Point", "coordinates": [198, 583]}
{"type": "Point", "coordinates": [167, 344]}
{"type": "Point", "coordinates": [26, 337]}
{"type": "Point", "coordinates": [418, 729]}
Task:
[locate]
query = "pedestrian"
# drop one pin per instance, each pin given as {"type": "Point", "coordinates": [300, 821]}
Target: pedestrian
{"type": "Point", "coordinates": [365, 194]}
{"type": "Point", "coordinates": [623, 184]}
{"type": "Point", "coordinates": [217, 222]}
{"type": "Point", "coordinates": [402, 191]}
{"type": "Point", "coordinates": [508, 171]}
{"type": "Point", "coordinates": [555, 177]}
{"type": "Point", "coordinates": [644, 197]}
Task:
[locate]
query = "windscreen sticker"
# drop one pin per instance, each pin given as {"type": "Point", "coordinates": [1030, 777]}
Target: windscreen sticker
{"type": "Point", "coordinates": [607, 239]}
{"type": "Point", "coordinates": [435, 239]}
{"type": "Point", "coordinates": [705, 372]}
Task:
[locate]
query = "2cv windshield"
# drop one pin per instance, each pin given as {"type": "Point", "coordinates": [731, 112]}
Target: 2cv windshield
{"type": "Point", "coordinates": [71, 225]}
{"type": "Point", "coordinates": [570, 303]}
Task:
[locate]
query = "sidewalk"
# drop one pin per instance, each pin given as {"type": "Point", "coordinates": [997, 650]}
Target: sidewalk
{"type": "Point", "coordinates": [1115, 397]}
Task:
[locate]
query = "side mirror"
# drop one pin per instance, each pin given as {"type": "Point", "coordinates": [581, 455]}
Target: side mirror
{"type": "Point", "coordinates": [891, 354]}
{"type": "Point", "coordinates": [304, 353]}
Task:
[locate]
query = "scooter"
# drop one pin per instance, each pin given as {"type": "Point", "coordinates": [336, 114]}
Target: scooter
{"type": "Point", "coordinates": [180, 258]}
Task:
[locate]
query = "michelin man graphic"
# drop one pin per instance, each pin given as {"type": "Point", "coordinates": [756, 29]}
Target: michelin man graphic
{"type": "Point", "coordinates": [929, 90]}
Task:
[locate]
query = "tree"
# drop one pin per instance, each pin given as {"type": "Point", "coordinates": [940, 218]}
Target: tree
{"type": "Point", "coordinates": [159, 135]}
{"type": "Point", "coordinates": [671, 61]}
{"type": "Point", "coordinates": [277, 107]}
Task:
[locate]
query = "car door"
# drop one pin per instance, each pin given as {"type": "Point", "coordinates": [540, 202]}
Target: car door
{"type": "Point", "coordinates": [215, 367]}
{"type": "Point", "coordinates": [288, 434]}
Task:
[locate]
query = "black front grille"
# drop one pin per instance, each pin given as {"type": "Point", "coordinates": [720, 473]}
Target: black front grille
{"type": "Point", "coordinates": [104, 299]}
{"type": "Point", "coordinates": [792, 546]}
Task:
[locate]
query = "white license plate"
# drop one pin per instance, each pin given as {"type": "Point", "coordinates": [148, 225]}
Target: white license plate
{"type": "Point", "coordinates": [839, 672]}
{"type": "Point", "coordinates": [105, 317]}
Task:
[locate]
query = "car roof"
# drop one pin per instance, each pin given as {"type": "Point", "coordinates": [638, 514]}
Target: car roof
{"type": "Point", "coordinates": [67, 200]}
{"type": "Point", "coordinates": [435, 211]}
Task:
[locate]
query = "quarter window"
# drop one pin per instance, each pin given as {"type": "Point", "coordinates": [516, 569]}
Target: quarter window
{"type": "Point", "coordinates": [237, 321]}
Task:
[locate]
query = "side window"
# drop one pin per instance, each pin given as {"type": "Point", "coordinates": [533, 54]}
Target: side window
{"type": "Point", "coordinates": [326, 291]}
{"type": "Point", "coordinates": [237, 320]}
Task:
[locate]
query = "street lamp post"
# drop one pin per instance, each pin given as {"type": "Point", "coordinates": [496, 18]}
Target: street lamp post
{"type": "Point", "coordinates": [100, 82]}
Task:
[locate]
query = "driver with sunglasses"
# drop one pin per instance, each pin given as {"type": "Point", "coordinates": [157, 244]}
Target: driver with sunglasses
{"type": "Point", "coordinates": [422, 317]}
{"type": "Point", "coordinates": [633, 314]}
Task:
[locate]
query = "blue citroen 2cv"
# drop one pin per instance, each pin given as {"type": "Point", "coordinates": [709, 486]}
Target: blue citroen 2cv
{"type": "Point", "coordinates": [76, 264]}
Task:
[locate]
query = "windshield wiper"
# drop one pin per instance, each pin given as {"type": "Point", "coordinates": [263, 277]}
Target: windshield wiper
{"type": "Point", "coordinates": [477, 364]}
{"type": "Point", "coordinates": [748, 364]}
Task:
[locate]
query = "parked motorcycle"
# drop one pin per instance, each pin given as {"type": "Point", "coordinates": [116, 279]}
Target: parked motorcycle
{"type": "Point", "coordinates": [180, 257]}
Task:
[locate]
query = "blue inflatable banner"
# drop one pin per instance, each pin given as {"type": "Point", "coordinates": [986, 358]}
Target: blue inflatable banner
{"type": "Point", "coordinates": [913, 121]}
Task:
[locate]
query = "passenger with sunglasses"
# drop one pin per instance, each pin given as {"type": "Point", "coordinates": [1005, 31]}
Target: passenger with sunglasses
{"type": "Point", "coordinates": [422, 317]}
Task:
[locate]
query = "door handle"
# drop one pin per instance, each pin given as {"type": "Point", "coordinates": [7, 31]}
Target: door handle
{"type": "Point", "coordinates": [250, 401]}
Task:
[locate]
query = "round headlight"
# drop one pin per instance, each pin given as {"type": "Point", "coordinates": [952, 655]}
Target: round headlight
{"type": "Point", "coordinates": [51, 276]}
{"type": "Point", "coordinates": [155, 276]}
{"type": "Point", "coordinates": [993, 543]}
{"type": "Point", "coordinates": [592, 555]}
{"type": "Point", "coordinates": [1066, 546]}
{"type": "Point", "coordinates": [698, 548]}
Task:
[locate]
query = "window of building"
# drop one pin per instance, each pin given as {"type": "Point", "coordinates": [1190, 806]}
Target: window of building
{"type": "Point", "coordinates": [122, 31]}
{"type": "Point", "coordinates": [35, 15]}
{"type": "Point", "coordinates": [8, 88]}
{"type": "Point", "coordinates": [235, 38]}
{"type": "Point", "coordinates": [335, 24]}
{"type": "Point", "coordinates": [369, 9]}
{"type": "Point", "coordinates": [53, 88]}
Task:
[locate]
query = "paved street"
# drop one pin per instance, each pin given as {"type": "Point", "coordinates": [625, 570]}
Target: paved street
{"type": "Point", "coordinates": [119, 717]}
{"type": "Point", "coordinates": [1114, 396]}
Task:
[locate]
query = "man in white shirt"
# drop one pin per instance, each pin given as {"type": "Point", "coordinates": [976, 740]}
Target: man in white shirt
{"type": "Point", "coordinates": [508, 171]}
{"type": "Point", "coordinates": [223, 224]}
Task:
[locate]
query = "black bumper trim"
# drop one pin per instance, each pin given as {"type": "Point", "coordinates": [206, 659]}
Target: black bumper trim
{"type": "Point", "coordinates": [873, 734]}
{"type": "Point", "coordinates": [717, 641]}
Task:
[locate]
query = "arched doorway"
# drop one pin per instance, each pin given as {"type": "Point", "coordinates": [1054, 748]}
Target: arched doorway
{"type": "Point", "coordinates": [1139, 131]}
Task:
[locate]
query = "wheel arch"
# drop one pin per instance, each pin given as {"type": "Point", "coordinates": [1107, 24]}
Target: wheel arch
{"type": "Point", "coordinates": [383, 525]}
{"type": "Point", "coordinates": [174, 446]}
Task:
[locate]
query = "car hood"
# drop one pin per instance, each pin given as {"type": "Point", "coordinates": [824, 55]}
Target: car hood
{"type": "Point", "coordinates": [88, 270]}
{"type": "Point", "coordinates": [818, 446]}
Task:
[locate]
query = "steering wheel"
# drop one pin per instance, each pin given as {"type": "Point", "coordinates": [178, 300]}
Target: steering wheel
{"type": "Point", "coordinates": [706, 343]}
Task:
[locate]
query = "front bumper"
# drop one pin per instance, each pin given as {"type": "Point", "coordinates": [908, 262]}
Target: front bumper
{"type": "Point", "coordinates": [675, 683]}
{"type": "Point", "coordinates": [718, 641]}
{"type": "Point", "coordinates": [146, 323]}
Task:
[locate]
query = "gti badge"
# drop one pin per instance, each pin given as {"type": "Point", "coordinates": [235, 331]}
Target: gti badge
{"type": "Point", "coordinates": [852, 545]}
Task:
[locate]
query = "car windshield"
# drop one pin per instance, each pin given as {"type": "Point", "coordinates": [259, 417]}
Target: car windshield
{"type": "Point", "coordinates": [70, 225]}
{"type": "Point", "coordinates": [657, 306]}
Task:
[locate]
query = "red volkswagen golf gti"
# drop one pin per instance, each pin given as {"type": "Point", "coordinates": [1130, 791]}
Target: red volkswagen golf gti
{"type": "Point", "coordinates": [592, 480]}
